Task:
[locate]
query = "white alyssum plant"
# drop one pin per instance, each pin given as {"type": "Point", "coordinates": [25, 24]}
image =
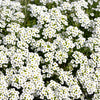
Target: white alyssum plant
{"type": "Point", "coordinates": [57, 57]}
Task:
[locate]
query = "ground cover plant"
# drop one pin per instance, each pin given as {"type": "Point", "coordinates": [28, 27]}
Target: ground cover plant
{"type": "Point", "coordinates": [49, 50]}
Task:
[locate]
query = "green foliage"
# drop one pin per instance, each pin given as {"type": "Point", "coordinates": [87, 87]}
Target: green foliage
{"type": "Point", "coordinates": [51, 5]}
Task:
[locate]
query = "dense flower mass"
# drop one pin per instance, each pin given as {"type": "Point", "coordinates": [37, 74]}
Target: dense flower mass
{"type": "Point", "coordinates": [49, 50]}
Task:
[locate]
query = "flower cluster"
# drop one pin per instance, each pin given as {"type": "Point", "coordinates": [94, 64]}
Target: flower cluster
{"type": "Point", "coordinates": [49, 50]}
